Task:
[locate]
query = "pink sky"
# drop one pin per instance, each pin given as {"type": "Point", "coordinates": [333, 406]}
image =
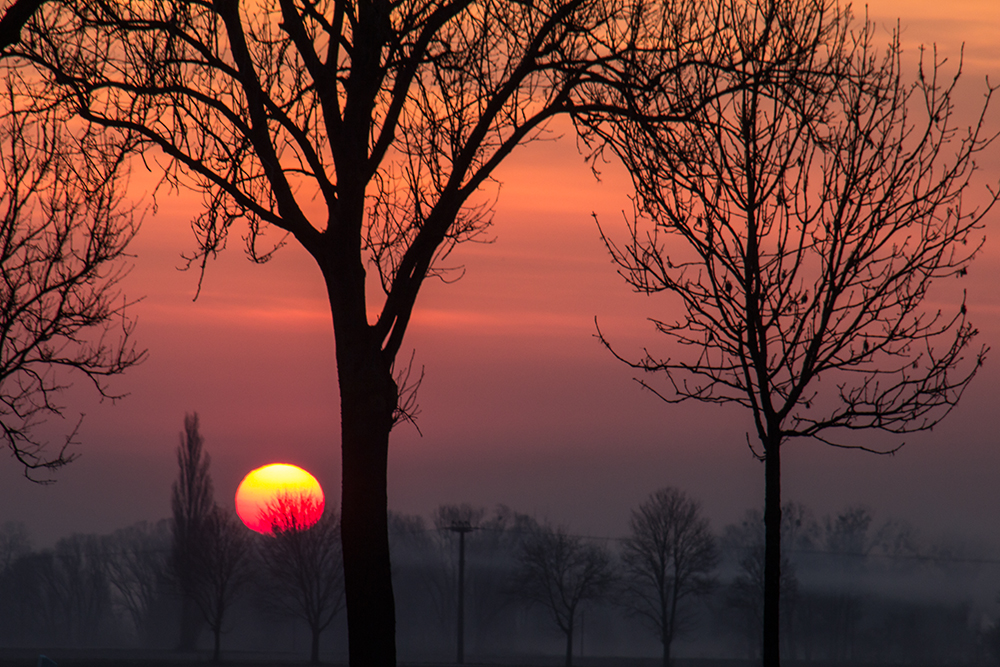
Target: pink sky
{"type": "Point", "coordinates": [520, 405]}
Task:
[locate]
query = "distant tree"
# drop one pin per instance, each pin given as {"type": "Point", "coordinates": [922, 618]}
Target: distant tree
{"type": "Point", "coordinates": [443, 582]}
{"type": "Point", "coordinates": [800, 531]}
{"type": "Point", "coordinates": [849, 537]}
{"type": "Point", "coordinates": [63, 238]}
{"type": "Point", "coordinates": [368, 132]}
{"type": "Point", "coordinates": [30, 609]}
{"type": "Point", "coordinates": [79, 590]}
{"type": "Point", "coordinates": [668, 558]}
{"type": "Point", "coordinates": [414, 562]}
{"type": "Point", "coordinates": [560, 572]}
{"type": "Point", "coordinates": [990, 638]}
{"type": "Point", "coordinates": [137, 558]}
{"type": "Point", "coordinates": [801, 217]}
{"type": "Point", "coordinates": [15, 547]}
{"type": "Point", "coordinates": [15, 542]}
{"type": "Point", "coordinates": [745, 542]}
{"type": "Point", "coordinates": [491, 560]}
{"type": "Point", "coordinates": [303, 569]}
{"type": "Point", "coordinates": [491, 543]}
{"type": "Point", "coordinates": [225, 556]}
{"type": "Point", "coordinates": [849, 532]}
{"type": "Point", "coordinates": [192, 503]}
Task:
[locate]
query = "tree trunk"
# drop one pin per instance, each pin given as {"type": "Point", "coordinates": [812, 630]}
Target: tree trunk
{"type": "Point", "coordinates": [368, 398]}
{"type": "Point", "coordinates": [314, 651]}
{"type": "Point", "coordinates": [371, 616]}
{"type": "Point", "coordinates": [772, 554]}
{"type": "Point", "coordinates": [190, 624]}
{"type": "Point", "coordinates": [569, 645]}
{"type": "Point", "coordinates": [668, 622]}
{"type": "Point", "coordinates": [217, 650]}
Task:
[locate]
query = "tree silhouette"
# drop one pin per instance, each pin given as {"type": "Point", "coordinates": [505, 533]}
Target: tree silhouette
{"type": "Point", "coordinates": [63, 236]}
{"type": "Point", "coordinates": [668, 558]}
{"type": "Point", "coordinates": [77, 583]}
{"type": "Point", "coordinates": [225, 567]}
{"type": "Point", "coordinates": [303, 565]}
{"type": "Point", "coordinates": [560, 572]}
{"type": "Point", "coordinates": [136, 563]}
{"type": "Point", "coordinates": [369, 132]}
{"type": "Point", "coordinates": [291, 511]}
{"type": "Point", "coordinates": [192, 501]}
{"type": "Point", "coordinates": [15, 542]}
{"type": "Point", "coordinates": [801, 220]}
{"type": "Point", "coordinates": [745, 593]}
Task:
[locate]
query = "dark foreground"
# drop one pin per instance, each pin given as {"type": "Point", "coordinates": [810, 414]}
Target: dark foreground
{"type": "Point", "coordinates": [125, 658]}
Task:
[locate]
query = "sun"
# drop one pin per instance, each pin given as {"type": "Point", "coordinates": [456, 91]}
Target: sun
{"type": "Point", "coordinates": [277, 497]}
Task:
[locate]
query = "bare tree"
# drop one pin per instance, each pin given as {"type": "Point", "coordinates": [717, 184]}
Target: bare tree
{"type": "Point", "coordinates": [77, 582]}
{"type": "Point", "coordinates": [745, 541]}
{"type": "Point", "coordinates": [136, 559]}
{"type": "Point", "coordinates": [15, 542]}
{"type": "Point", "coordinates": [303, 566]}
{"type": "Point", "coordinates": [456, 525]}
{"type": "Point", "coordinates": [192, 501]}
{"type": "Point", "coordinates": [801, 217]}
{"type": "Point", "coordinates": [668, 559]}
{"type": "Point", "coordinates": [560, 572]}
{"type": "Point", "coordinates": [368, 132]}
{"type": "Point", "coordinates": [476, 558]}
{"type": "Point", "coordinates": [225, 556]}
{"type": "Point", "coordinates": [63, 236]}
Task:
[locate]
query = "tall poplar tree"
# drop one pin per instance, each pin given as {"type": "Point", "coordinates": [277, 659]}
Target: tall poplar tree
{"type": "Point", "coordinates": [192, 500]}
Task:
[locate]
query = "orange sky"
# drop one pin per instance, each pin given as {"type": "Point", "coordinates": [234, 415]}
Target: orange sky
{"type": "Point", "coordinates": [520, 405]}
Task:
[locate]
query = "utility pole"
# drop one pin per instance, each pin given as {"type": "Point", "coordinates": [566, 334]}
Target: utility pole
{"type": "Point", "coordinates": [461, 527]}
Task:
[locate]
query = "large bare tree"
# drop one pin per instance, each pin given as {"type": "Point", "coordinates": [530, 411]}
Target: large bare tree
{"type": "Point", "coordinates": [64, 232]}
{"type": "Point", "coordinates": [367, 131]}
{"type": "Point", "coordinates": [800, 220]}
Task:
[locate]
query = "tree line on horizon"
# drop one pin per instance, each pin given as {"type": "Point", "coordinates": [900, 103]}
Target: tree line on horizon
{"type": "Point", "coordinates": [854, 589]}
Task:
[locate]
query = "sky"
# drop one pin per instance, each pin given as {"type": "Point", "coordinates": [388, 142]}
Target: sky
{"type": "Point", "coordinates": [520, 404]}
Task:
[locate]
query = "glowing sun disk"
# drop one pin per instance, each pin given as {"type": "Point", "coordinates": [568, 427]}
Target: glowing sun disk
{"type": "Point", "coordinates": [279, 495]}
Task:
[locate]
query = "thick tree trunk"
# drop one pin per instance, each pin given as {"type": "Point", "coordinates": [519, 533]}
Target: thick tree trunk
{"type": "Point", "coordinates": [772, 554]}
{"type": "Point", "coordinates": [217, 650]}
{"type": "Point", "coordinates": [314, 651]}
{"type": "Point", "coordinates": [368, 398]}
{"type": "Point", "coordinates": [371, 616]}
{"type": "Point", "coordinates": [569, 646]}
